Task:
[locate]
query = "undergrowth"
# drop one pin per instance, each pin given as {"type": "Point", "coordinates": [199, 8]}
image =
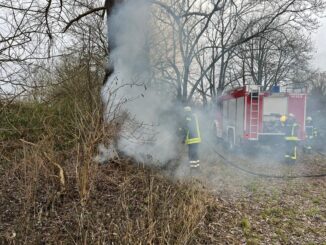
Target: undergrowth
{"type": "Point", "coordinates": [53, 190]}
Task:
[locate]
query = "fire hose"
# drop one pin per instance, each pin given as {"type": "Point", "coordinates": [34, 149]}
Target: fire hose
{"type": "Point", "coordinates": [236, 166]}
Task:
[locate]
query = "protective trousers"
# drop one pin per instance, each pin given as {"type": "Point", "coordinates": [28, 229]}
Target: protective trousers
{"type": "Point", "coordinates": [193, 155]}
{"type": "Point", "coordinates": [291, 150]}
{"type": "Point", "coordinates": [311, 132]}
{"type": "Point", "coordinates": [309, 143]}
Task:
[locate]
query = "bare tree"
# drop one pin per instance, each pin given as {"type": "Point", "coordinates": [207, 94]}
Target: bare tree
{"type": "Point", "coordinates": [218, 29]}
{"type": "Point", "coordinates": [33, 32]}
{"type": "Point", "coordinates": [207, 43]}
{"type": "Point", "coordinates": [270, 59]}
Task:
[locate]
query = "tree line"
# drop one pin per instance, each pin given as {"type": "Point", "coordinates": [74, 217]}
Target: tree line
{"type": "Point", "coordinates": [207, 46]}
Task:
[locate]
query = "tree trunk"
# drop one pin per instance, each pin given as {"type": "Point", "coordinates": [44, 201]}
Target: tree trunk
{"type": "Point", "coordinates": [109, 5]}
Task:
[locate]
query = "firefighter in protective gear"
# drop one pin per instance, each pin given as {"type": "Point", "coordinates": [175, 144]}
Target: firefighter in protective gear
{"type": "Point", "coordinates": [291, 137]}
{"type": "Point", "coordinates": [311, 134]}
{"type": "Point", "coordinates": [191, 136]}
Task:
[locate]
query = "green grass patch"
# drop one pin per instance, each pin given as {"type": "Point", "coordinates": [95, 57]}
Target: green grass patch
{"type": "Point", "coordinates": [245, 225]}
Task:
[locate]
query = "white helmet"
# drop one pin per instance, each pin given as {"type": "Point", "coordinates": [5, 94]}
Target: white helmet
{"type": "Point", "coordinates": [187, 108]}
{"type": "Point", "coordinates": [309, 119]}
{"type": "Point", "coordinates": [291, 115]}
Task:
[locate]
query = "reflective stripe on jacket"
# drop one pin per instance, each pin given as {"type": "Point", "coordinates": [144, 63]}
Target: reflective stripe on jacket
{"type": "Point", "coordinates": [291, 130]}
{"type": "Point", "coordinates": [192, 130]}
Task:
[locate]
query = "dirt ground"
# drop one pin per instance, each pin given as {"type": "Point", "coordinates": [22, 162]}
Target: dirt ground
{"type": "Point", "coordinates": [270, 210]}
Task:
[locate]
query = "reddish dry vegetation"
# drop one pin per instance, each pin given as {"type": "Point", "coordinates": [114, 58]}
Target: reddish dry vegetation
{"type": "Point", "coordinates": [52, 193]}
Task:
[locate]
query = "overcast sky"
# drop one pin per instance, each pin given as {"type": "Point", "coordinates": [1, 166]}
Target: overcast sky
{"type": "Point", "coordinates": [319, 39]}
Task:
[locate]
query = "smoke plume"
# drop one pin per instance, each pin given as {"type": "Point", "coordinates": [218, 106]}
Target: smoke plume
{"type": "Point", "coordinates": [149, 133]}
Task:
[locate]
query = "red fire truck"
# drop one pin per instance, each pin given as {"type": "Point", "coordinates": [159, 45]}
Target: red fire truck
{"type": "Point", "coordinates": [248, 114]}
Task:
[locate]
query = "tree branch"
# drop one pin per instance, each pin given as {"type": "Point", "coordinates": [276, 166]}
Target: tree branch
{"type": "Point", "coordinates": [82, 16]}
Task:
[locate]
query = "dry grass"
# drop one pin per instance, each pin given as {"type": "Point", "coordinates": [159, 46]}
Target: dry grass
{"type": "Point", "coordinates": [53, 192]}
{"type": "Point", "coordinates": [116, 202]}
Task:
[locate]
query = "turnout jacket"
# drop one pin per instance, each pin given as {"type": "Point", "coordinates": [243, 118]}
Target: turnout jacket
{"type": "Point", "coordinates": [191, 130]}
{"type": "Point", "coordinates": [291, 129]}
{"type": "Point", "coordinates": [311, 131]}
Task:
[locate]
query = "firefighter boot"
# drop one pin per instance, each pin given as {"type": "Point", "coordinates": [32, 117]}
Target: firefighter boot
{"type": "Point", "coordinates": [292, 157]}
{"type": "Point", "coordinates": [194, 164]}
{"type": "Point", "coordinates": [194, 167]}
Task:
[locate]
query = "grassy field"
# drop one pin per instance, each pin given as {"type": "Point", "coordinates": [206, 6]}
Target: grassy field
{"type": "Point", "coordinates": [52, 191]}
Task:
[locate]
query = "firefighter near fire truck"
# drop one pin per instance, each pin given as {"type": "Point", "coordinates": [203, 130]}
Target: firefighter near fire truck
{"type": "Point", "coordinates": [291, 138]}
{"type": "Point", "coordinates": [311, 135]}
{"type": "Point", "coordinates": [191, 136]}
{"type": "Point", "coordinates": [249, 116]}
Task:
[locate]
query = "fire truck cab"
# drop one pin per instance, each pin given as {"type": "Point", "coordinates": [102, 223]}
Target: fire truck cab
{"type": "Point", "coordinates": [249, 114]}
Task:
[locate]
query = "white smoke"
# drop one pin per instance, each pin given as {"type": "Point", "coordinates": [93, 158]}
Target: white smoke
{"type": "Point", "coordinates": [105, 153]}
{"type": "Point", "coordinates": [149, 134]}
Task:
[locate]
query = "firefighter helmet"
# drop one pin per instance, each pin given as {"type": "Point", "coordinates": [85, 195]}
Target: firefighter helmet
{"type": "Point", "coordinates": [283, 118]}
{"type": "Point", "coordinates": [309, 119]}
{"type": "Point", "coordinates": [187, 109]}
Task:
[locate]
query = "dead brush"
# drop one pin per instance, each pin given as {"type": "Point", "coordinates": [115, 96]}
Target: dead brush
{"type": "Point", "coordinates": [119, 202]}
{"type": "Point", "coordinates": [64, 195]}
{"type": "Point", "coordinates": [41, 165]}
{"type": "Point", "coordinates": [90, 132]}
{"type": "Point", "coordinates": [36, 183]}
